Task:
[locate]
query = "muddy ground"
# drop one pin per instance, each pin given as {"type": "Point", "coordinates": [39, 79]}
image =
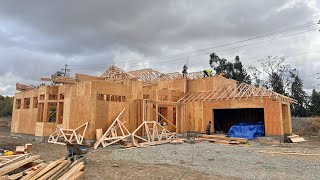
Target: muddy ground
{"type": "Point", "coordinates": [199, 161]}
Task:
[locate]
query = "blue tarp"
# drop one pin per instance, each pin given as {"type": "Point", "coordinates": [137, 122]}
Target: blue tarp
{"type": "Point", "coordinates": [247, 130]}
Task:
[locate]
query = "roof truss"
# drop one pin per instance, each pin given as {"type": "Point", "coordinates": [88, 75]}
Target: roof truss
{"type": "Point", "coordinates": [234, 92]}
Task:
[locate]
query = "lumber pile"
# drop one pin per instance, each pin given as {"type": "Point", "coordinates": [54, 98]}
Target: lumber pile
{"type": "Point", "coordinates": [296, 138]}
{"type": "Point", "coordinates": [31, 167]}
{"type": "Point", "coordinates": [222, 139]}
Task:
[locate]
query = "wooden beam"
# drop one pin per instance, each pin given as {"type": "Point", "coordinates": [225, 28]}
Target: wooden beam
{"type": "Point", "coordinates": [84, 77]}
{"type": "Point", "coordinates": [22, 87]}
{"type": "Point", "coordinates": [18, 164]}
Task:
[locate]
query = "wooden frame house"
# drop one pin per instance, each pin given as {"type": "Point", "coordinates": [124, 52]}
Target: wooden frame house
{"type": "Point", "coordinates": [178, 103]}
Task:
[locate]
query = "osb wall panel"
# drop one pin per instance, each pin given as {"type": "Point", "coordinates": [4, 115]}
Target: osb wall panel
{"type": "Point", "coordinates": [24, 120]}
{"type": "Point", "coordinates": [78, 108]}
{"type": "Point", "coordinates": [177, 84]}
{"type": "Point", "coordinates": [273, 117]}
{"type": "Point", "coordinates": [106, 112]}
{"type": "Point", "coordinates": [199, 114]}
{"type": "Point", "coordinates": [286, 117]}
{"type": "Point", "coordinates": [45, 129]}
{"type": "Point", "coordinates": [213, 83]}
{"type": "Point", "coordinates": [100, 87]}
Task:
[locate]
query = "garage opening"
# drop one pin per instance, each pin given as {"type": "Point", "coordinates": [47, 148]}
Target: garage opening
{"type": "Point", "coordinates": [225, 118]}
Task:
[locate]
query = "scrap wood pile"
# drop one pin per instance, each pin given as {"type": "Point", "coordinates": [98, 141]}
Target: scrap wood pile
{"type": "Point", "coordinates": [21, 164]}
{"type": "Point", "coordinates": [27, 166]}
{"type": "Point", "coordinates": [149, 133]}
{"type": "Point", "coordinates": [296, 138]}
{"type": "Point", "coordinates": [222, 139]}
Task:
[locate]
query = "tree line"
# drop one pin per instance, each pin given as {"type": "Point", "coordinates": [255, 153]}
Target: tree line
{"type": "Point", "coordinates": [6, 104]}
{"type": "Point", "coordinates": [275, 74]}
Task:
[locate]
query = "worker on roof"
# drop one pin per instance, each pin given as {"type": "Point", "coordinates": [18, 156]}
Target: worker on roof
{"type": "Point", "coordinates": [184, 71]}
{"type": "Point", "coordinates": [207, 73]}
{"type": "Point", "coordinates": [208, 128]}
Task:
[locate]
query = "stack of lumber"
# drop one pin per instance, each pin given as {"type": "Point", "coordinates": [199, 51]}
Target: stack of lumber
{"type": "Point", "coordinates": [27, 166]}
{"type": "Point", "coordinates": [222, 139]}
{"type": "Point", "coordinates": [296, 138]}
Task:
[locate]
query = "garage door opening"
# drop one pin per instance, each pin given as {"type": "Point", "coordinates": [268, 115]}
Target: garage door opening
{"type": "Point", "coordinates": [225, 118]}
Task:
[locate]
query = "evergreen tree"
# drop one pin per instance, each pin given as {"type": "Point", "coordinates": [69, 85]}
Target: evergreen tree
{"type": "Point", "coordinates": [315, 103]}
{"type": "Point", "coordinates": [231, 70]}
{"type": "Point", "coordinates": [297, 93]}
{"type": "Point", "coordinates": [239, 73]}
{"type": "Point", "coordinates": [276, 83]}
{"type": "Point", "coordinates": [6, 105]}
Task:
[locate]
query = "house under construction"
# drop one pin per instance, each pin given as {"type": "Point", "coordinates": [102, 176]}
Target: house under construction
{"type": "Point", "coordinates": [179, 103]}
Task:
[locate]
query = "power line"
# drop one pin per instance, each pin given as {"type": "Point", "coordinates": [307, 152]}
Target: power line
{"type": "Point", "coordinates": [313, 23]}
{"type": "Point", "coordinates": [206, 53]}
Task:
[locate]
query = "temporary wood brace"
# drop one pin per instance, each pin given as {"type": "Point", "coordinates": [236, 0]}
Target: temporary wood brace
{"type": "Point", "coordinates": [111, 135]}
{"type": "Point", "coordinates": [154, 132]}
{"type": "Point", "coordinates": [232, 92]}
{"type": "Point", "coordinates": [68, 135]}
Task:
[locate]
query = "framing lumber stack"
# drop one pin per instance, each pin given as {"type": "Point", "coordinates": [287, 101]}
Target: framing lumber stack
{"type": "Point", "coordinates": [68, 135]}
{"type": "Point", "coordinates": [222, 139]}
{"type": "Point", "coordinates": [60, 169]}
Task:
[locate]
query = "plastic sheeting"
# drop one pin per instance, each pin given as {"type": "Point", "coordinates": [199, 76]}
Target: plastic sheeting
{"type": "Point", "coordinates": [247, 130]}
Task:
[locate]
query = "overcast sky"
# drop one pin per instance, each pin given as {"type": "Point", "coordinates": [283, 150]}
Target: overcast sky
{"type": "Point", "coordinates": [38, 37]}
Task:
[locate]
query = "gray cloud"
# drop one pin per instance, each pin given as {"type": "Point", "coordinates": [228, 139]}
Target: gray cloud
{"type": "Point", "coordinates": [37, 37]}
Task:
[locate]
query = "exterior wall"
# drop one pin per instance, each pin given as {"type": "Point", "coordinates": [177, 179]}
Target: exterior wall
{"type": "Point", "coordinates": [24, 120]}
{"type": "Point", "coordinates": [199, 113]}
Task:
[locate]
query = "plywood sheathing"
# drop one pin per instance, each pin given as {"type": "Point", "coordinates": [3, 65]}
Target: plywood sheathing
{"type": "Point", "coordinates": [199, 113]}
{"type": "Point", "coordinates": [24, 120]}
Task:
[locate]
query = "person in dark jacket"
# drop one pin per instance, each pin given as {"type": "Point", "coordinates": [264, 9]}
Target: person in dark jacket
{"type": "Point", "coordinates": [208, 128]}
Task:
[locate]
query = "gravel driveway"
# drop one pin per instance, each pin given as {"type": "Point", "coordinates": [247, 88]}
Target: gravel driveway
{"type": "Point", "coordinates": [236, 162]}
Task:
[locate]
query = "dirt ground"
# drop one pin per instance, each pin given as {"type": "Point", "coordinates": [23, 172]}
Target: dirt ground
{"type": "Point", "coordinates": [98, 165]}
{"type": "Point", "coordinates": [112, 163]}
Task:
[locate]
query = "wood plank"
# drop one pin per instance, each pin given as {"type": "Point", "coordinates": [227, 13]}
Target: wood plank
{"type": "Point", "coordinates": [48, 168]}
{"type": "Point", "coordinates": [242, 140]}
{"type": "Point", "coordinates": [289, 153]}
{"type": "Point", "coordinates": [55, 169]}
{"type": "Point", "coordinates": [76, 175]}
{"type": "Point", "coordinates": [15, 158]}
{"type": "Point", "coordinates": [18, 164]}
{"type": "Point", "coordinates": [30, 175]}
{"type": "Point", "coordinates": [85, 77]}
{"type": "Point", "coordinates": [72, 171]}
{"type": "Point", "coordinates": [297, 139]}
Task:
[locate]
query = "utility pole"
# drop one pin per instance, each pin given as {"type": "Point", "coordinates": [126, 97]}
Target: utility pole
{"type": "Point", "coordinates": [65, 70]}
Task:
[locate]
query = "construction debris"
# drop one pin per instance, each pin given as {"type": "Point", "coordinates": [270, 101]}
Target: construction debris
{"type": "Point", "coordinates": [289, 153]}
{"type": "Point", "coordinates": [27, 166]}
{"type": "Point", "coordinates": [222, 139]}
{"type": "Point", "coordinates": [149, 133]}
{"type": "Point", "coordinates": [295, 138]}
{"type": "Point", "coordinates": [60, 136]}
